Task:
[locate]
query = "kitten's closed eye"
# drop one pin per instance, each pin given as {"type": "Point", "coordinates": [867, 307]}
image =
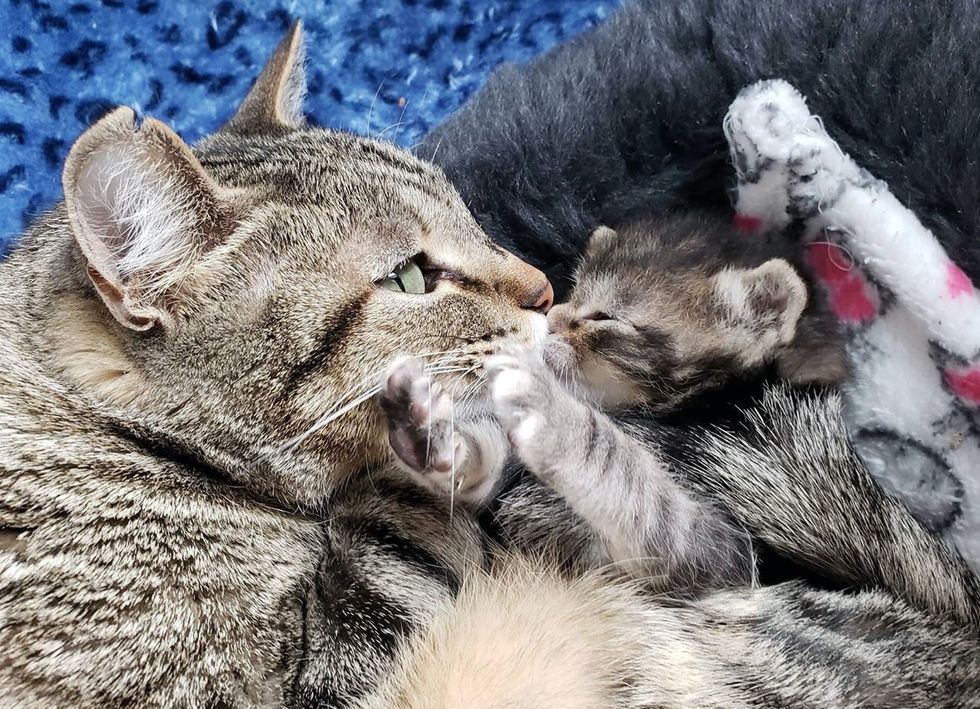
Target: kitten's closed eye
{"type": "Point", "coordinates": [596, 316]}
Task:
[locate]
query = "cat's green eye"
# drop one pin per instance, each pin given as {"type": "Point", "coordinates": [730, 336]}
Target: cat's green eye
{"type": "Point", "coordinates": [406, 278]}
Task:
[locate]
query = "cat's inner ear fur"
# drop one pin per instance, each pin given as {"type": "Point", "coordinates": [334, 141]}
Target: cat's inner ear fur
{"type": "Point", "coordinates": [142, 211]}
{"type": "Point", "coordinates": [766, 301]}
{"type": "Point", "coordinates": [275, 101]}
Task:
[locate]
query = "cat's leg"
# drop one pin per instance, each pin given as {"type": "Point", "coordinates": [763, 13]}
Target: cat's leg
{"type": "Point", "coordinates": [459, 456]}
{"type": "Point", "coordinates": [619, 486]}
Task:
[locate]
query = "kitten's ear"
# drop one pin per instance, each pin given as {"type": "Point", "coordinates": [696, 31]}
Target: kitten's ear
{"type": "Point", "coordinates": [142, 209]}
{"type": "Point", "coordinates": [768, 300]}
{"type": "Point", "coordinates": [599, 238]}
{"type": "Point", "coordinates": [276, 99]}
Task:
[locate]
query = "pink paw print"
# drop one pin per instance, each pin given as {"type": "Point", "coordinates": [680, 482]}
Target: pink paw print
{"type": "Point", "coordinates": [957, 282]}
{"type": "Point", "coordinates": [746, 223]}
{"type": "Point", "coordinates": [964, 382]}
{"type": "Point", "coordinates": [851, 297]}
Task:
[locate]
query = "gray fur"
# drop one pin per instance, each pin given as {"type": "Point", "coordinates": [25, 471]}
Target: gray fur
{"type": "Point", "coordinates": [788, 474]}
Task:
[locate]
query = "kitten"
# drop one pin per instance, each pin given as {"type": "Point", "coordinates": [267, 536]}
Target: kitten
{"type": "Point", "coordinates": [664, 316]}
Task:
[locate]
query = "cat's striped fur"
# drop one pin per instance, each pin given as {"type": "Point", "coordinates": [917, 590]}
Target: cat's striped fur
{"type": "Point", "coordinates": [185, 523]}
{"type": "Point", "coordinates": [529, 636]}
{"type": "Point", "coordinates": [179, 524]}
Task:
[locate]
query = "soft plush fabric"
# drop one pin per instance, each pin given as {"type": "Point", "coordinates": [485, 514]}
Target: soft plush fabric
{"type": "Point", "coordinates": [388, 67]}
{"type": "Point", "coordinates": [911, 315]}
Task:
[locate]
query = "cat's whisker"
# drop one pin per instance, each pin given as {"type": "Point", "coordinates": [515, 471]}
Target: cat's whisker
{"type": "Point", "coordinates": [418, 114]}
{"type": "Point", "coordinates": [393, 125]}
{"type": "Point", "coordinates": [371, 110]}
{"type": "Point", "coordinates": [324, 421]}
{"type": "Point", "coordinates": [436, 151]}
{"type": "Point", "coordinates": [470, 392]}
{"type": "Point", "coordinates": [436, 353]}
{"type": "Point", "coordinates": [452, 478]}
{"type": "Point", "coordinates": [356, 395]}
{"type": "Point", "coordinates": [428, 428]}
{"type": "Point", "coordinates": [369, 387]}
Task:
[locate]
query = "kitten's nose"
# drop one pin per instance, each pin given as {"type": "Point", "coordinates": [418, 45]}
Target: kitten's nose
{"type": "Point", "coordinates": [560, 319]}
{"type": "Point", "coordinates": [542, 299]}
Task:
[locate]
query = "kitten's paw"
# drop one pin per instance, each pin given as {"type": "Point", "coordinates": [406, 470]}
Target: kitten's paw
{"type": "Point", "coordinates": [520, 389]}
{"type": "Point", "coordinates": [421, 430]}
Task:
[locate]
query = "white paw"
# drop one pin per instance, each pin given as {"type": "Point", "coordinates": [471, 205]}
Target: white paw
{"type": "Point", "coordinates": [519, 394]}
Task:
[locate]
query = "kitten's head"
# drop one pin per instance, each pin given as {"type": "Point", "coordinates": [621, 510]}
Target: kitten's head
{"type": "Point", "coordinates": [664, 310]}
{"type": "Point", "coordinates": [233, 296]}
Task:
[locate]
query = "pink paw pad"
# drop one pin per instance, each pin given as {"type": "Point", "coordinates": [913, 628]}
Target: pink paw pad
{"type": "Point", "coordinates": [957, 282]}
{"type": "Point", "coordinates": [851, 297]}
{"type": "Point", "coordinates": [964, 383]}
{"type": "Point", "coordinates": [746, 223]}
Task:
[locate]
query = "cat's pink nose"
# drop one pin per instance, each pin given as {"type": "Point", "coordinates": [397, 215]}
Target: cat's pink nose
{"type": "Point", "coordinates": [543, 299]}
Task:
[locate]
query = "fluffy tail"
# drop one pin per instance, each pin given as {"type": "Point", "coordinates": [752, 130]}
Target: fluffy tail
{"type": "Point", "coordinates": [526, 637]}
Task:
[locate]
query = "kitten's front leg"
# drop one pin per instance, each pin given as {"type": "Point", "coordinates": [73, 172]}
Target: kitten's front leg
{"type": "Point", "coordinates": [619, 486]}
{"type": "Point", "coordinates": [541, 420]}
{"type": "Point", "coordinates": [451, 455]}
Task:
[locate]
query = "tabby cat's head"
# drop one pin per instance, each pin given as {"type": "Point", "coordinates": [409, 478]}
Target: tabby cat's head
{"type": "Point", "coordinates": [663, 310]}
{"type": "Point", "coordinates": [235, 295]}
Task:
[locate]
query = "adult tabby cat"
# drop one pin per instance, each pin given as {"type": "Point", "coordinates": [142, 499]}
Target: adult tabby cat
{"type": "Point", "coordinates": [167, 336]}
{"type": "Point", "coordinates": [185, 522]}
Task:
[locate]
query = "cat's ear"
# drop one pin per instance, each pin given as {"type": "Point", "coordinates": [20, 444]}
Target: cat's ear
{"type": "Point", "coordinates": [276, 99]}
{"type": "Point", "coordinates": [768, 300]}
{"type": "Point", "coordinates": [142, 210]}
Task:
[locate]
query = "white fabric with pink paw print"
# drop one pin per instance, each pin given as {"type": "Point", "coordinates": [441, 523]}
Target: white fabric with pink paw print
{"type": "Point", "coordinates": [911, 315]}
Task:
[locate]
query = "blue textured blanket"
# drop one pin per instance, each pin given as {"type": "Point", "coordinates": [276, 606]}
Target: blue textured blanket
{"type": "Point", "coordinates": [386, 67]}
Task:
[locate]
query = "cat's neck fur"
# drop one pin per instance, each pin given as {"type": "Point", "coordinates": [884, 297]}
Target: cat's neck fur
{"type": "Point", "coordinates": [68, 384]}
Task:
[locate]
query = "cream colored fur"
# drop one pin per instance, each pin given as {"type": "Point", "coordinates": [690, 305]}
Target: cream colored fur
{"type": "Point", "coordinates": [530, 638]}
